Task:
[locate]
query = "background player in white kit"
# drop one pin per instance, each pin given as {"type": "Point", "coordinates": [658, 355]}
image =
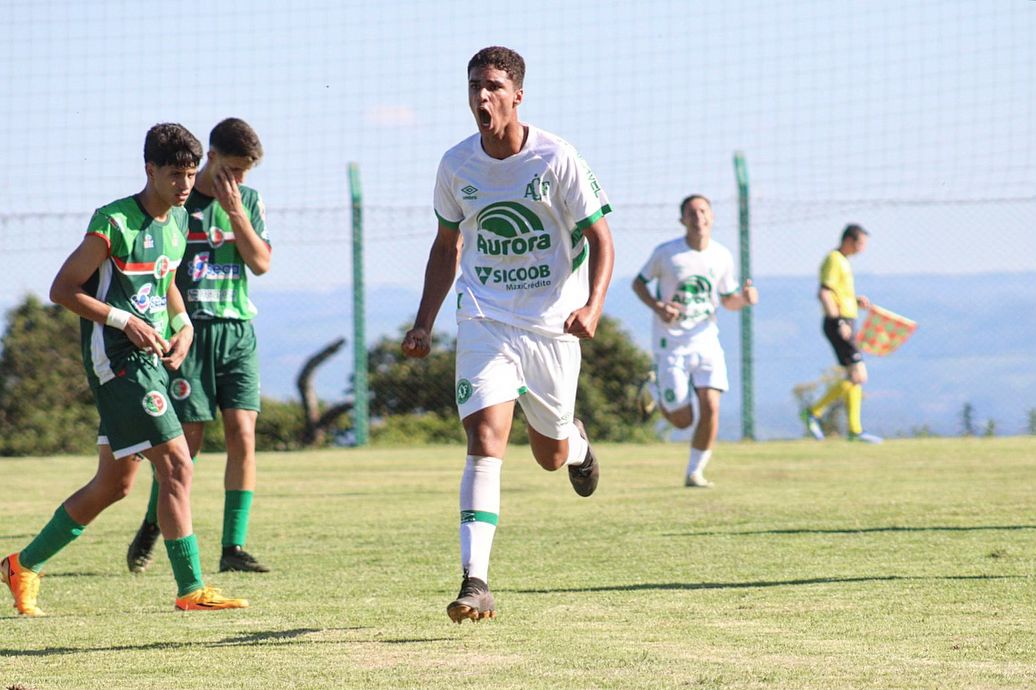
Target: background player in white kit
{"type": "Point", "coordinates": [524, 215]}
{"type": "Point", "coordinates": [694, 275]}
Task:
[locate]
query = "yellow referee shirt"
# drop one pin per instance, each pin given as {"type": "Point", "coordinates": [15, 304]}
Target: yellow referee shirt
{"type": "Point", "coordinates": [837, 276]}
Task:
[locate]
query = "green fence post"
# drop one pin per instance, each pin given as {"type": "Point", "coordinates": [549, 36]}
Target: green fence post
{"type": "Point", "coordinates": [747, 387]}
{"type": "Point", "coordinates": [361, 407]}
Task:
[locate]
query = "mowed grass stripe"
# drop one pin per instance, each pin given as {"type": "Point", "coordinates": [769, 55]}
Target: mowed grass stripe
{"type": "Point", "coordinates": [810, 565]}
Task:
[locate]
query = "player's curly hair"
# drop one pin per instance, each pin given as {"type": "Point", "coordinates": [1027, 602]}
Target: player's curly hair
{"type": "Point", "coordinates": [170, 143]}
{"type": "Point", "coordinates": [503, 59]}
{"type": "Point", "coordinates": [235, 137]}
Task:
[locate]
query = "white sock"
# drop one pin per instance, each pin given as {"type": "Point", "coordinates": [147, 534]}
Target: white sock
{"type": "Point", "coordinates": [699, 459]}
{"type": "Point", "coordinates": [577, 447]}
{"type": "Point", "coordinates": [479, 512]}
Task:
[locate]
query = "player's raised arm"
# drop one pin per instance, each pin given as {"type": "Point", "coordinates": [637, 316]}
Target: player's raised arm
{"type": "Point", "coordinates": [254, 251]}
{"type": "Point", "coordinates": [438, 278]}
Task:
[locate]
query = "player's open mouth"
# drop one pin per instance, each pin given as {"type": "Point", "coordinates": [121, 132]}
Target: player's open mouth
{"type": "Point", "coordinates": [484, 118]}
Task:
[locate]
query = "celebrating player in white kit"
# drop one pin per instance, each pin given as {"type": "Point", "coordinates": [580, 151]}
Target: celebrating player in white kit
{"type": "Point", "coordinates": [695, 275]}
{"type": "Point", "coordinates": [524, 215]}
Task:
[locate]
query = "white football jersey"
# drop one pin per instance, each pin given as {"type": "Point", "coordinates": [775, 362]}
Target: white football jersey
{"type": "Point", "coordinates": [524, 260]}
{"type": "Point", "coordinates": [695, 280]}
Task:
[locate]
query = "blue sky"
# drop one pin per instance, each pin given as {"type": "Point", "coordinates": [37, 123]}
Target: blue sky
{"type": "Point", "coordinates": [913, 118]}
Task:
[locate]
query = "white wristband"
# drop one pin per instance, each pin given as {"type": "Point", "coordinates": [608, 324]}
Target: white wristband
{"type": "Point", "coordinates": [117, 318]}
{"type": "Point", "coordinates": [180, 322]}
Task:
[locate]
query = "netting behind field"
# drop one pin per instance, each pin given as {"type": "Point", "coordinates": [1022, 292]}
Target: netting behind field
{"type": "Point", "coordinates": [915, 121]}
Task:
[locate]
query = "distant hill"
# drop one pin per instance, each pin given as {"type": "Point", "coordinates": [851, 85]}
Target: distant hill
{"type": "Point", "coordinates": [976, 342]}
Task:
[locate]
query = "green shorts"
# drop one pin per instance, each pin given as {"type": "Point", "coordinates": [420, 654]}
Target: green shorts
{"type": "Point", "coordinates": [134, 407]}
{"type": "Point", "coordinates": [221, 371]}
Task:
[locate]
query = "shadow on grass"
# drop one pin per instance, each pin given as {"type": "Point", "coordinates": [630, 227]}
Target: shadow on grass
{"type": "Point", "coordinates": [859, 530]}
{"type": "Point", "coordinates": [691, 586]}
{"type": "Point", "coordinates": [269, 637]}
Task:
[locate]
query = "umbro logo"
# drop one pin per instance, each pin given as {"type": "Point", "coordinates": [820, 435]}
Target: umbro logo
{"type": "Point", "coordinates": [469, 192]}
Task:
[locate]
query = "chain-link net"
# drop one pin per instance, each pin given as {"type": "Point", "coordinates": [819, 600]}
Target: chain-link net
{"type": "Point", "coordinates": [915, 121]}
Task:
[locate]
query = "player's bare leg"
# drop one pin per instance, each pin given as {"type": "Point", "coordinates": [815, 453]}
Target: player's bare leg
{"type": "Point", "coordinates": [141, 550]}
{"type": "Point", "coordinates": [487, 431]}
{"type": "Point", "coordinates": [239, 482]}
{"type": "Point", "coordinates": [704, 438]}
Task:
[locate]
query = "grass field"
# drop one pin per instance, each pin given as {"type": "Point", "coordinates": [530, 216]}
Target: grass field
{"type": "Point", "coordinates": [810, 565]}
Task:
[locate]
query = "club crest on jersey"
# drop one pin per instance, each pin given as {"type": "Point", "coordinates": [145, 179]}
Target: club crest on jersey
{"type": "Point", "coordinates": [537, 188]}
{"type": "Point", "coordinates": [155, 404]}
{"type": "Point", "coordinates": [216, 237]}
{"type": "Point", "coordinates": [508, 228]}
{"type": "Point", "coordinates": [162, 266]}
{"type": "Point", "coordinates": [180, 389]}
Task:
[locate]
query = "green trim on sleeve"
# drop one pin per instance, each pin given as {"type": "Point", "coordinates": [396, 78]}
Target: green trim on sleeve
{"type": "Point", "coordinates": [590, 220]}
{"type": "Point", "coordinates": [455, 225]}
{"type": "Point", "coordinates": [577, 231]}
{"type": "Point", "coordinates": [643, 279]}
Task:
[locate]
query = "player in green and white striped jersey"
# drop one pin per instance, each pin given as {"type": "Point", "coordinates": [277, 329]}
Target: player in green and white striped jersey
{"type": "Point", "coordinates": [227, 239]}
{"type": "Point", "coordinates": [120, 283]}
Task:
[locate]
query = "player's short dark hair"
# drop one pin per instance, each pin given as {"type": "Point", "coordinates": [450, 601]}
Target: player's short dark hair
{"type": "Point", "coordinates": [853, 232]}
{"type": "Point", "coordinates": [170, 143]}
{"type": "Point", "coordinates": [503, 59]}
{"type": "Point", "coordinates": [683, 204]}
{"type": "Point", "coordinates": [235, 137]}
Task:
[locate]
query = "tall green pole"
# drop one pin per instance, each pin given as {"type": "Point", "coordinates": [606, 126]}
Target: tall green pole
{"type": "Point", "coordinates": [747, 387]}
{"type": "Point", "coordinates": [361, 407]}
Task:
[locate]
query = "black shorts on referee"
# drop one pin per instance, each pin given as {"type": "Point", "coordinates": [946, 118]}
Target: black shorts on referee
{"type": "Point", "coordinates": [845, 350]}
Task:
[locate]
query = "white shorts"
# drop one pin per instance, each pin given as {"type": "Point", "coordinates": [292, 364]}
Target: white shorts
{"type": "Point", "coordinates": [678, 373]}
{"type": "Point", "coordinates": [497, 363]}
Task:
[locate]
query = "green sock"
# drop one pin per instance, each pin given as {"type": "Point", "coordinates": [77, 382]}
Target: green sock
{"type": "Point", "coordinates": [237, 506]}
{"type": "Point", "coordinates": [186, 562]}
{"type": "Point", "coordinates": [61, 531]}
{"type": "Point", "coordinates": [151, 517]}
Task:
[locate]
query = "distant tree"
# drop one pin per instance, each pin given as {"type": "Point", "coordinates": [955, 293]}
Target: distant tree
{"type": "Point", "coordinates": [46, 406]}
{"type": "Point", "coordinates": [400, 385]}
{"type": "Point", "coordinates": [990, 428]}
{"type": "Point", "coordinates": [613, 369]}
{"type": "Point", "coordinates": [967, 420]}
{"type": "Point", "coordinates": [1032, 421]}
{"type": "Point", "coordinates": [923, 431]}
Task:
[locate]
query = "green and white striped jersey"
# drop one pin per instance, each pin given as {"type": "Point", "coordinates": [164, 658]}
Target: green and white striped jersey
{"type": "Point", "coordinates": [214, 277]}
{"type": "Point", "coordinates": [143, 255]}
